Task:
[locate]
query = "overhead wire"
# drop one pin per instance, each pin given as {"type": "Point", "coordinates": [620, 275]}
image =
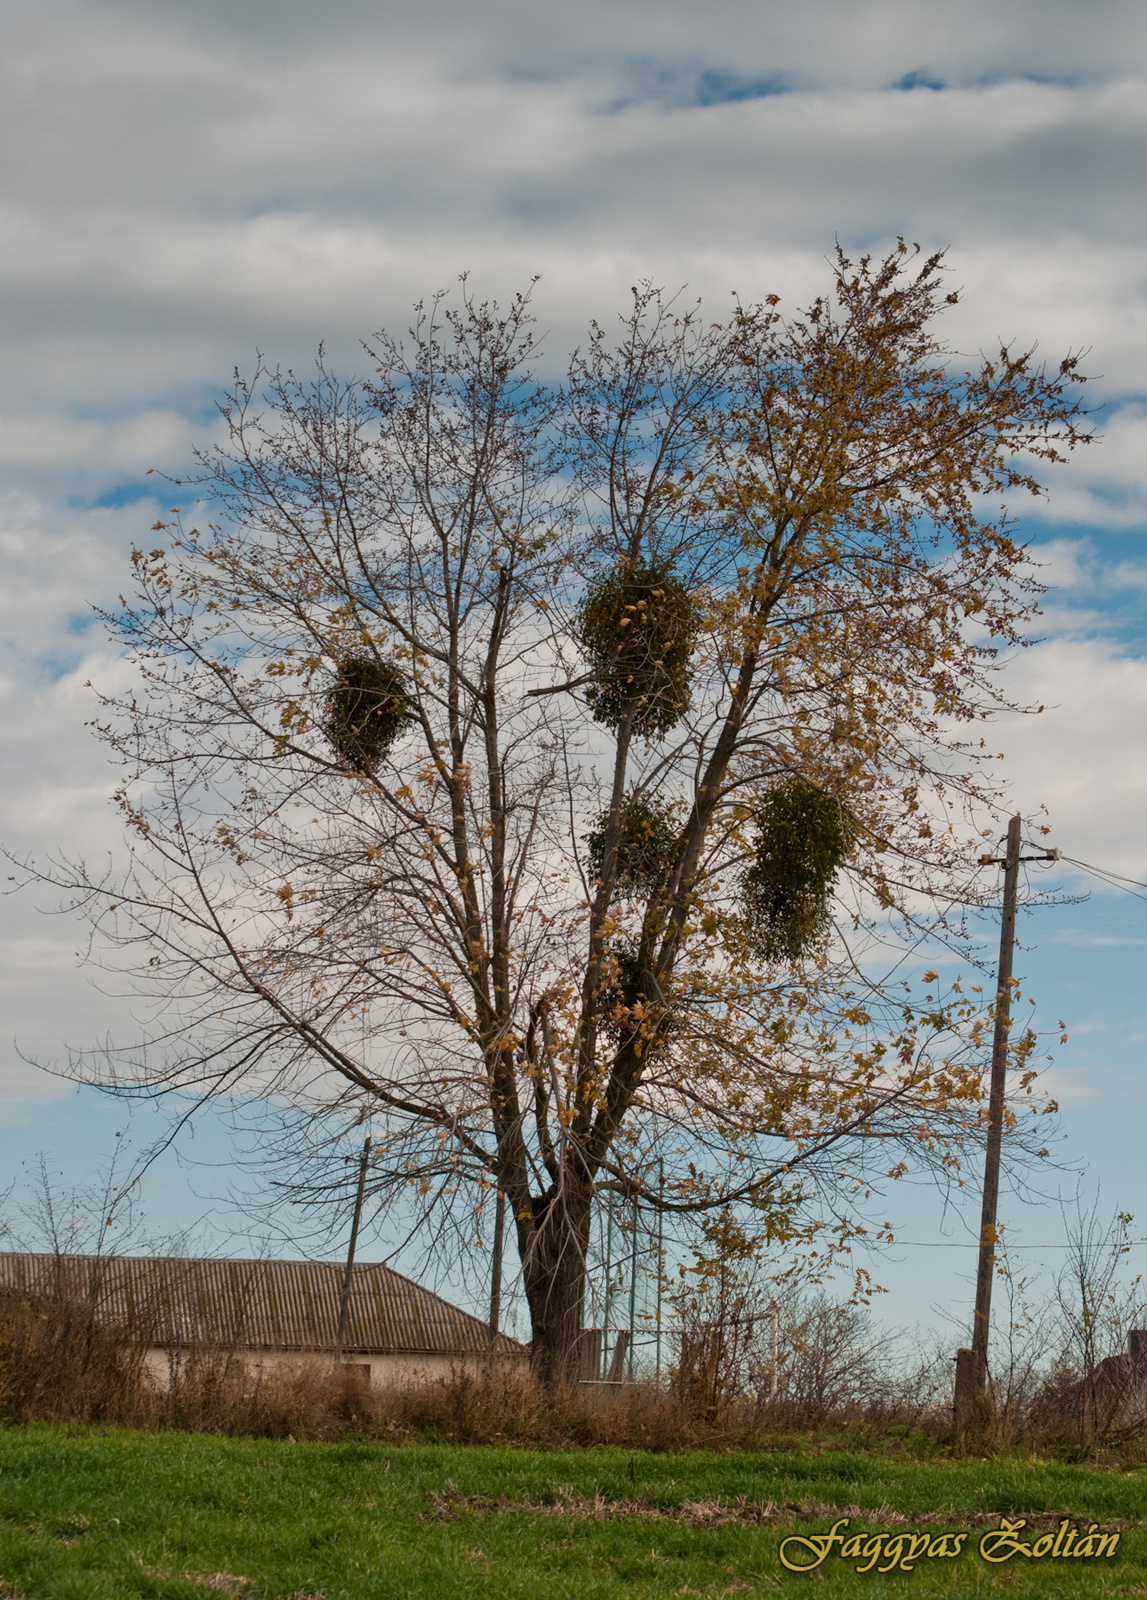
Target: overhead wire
{"type": "Point", "coordinates": [1114, 880]}
{"type": "Point", "coordinates": [974, 1244]}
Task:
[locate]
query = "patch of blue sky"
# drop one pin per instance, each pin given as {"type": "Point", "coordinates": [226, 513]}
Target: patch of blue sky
{"type": "Point", "coordinates": [198, 401]}
{"type": "Point", "coordinates": [58, 663]}
{"type": "Point", "coordinates": [80, 624]}
{"type": "Point", "coordinates": [1084, 963]}
{"type": "Point", "coordinates": [128, 493]}
{"type": "Point", "coordinates": [1104, 584]}
{"type": "Point", "coordinates": [919, 78]}
{"type": "Point", "coordinates": [1052, 80]}
{"type": "Point", "coordinates": [182, 1194]}
{"type": "Point", "coordinates": [714, 88]}
{"type": "Point", "coordinates": [708, 87]}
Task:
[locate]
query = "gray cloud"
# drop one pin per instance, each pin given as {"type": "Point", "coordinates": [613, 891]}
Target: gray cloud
{"type": "Point", "coordinates": [820, 42]}
{"type": "Point", "coordinates": [189, 180]}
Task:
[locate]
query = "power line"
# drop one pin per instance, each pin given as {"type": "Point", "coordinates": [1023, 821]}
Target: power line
{"type": "Point", "coordinates": [1114, 880]}
{"type": "Point", "coordinates": [973, 1244]}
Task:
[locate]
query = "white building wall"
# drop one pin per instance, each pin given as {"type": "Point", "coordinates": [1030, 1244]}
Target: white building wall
{"type": "Point", "coordinates": [382, 1371]}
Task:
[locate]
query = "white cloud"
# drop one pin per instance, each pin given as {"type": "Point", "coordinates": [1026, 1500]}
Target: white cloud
{"type": "Point", "coordinates": [1106, 486]}
{"type": "Point", "coordinates": [1089, 1083]}
{"type": "Point", "coordinates": [58, 563]}
{"type": "Point", "coordinates": [55, 780]}
{"type": "Point", "coordinates": [1085, 755]}
{"type": "Point", "coordinates": [92, 453]}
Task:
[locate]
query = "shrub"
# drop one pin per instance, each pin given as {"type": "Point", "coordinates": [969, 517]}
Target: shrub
{"type": "Point", "coordinates": [61, 1360]}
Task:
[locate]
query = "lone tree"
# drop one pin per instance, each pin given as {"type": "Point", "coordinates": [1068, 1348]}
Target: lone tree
{"type": "Point", "coordinates": [502, 757]}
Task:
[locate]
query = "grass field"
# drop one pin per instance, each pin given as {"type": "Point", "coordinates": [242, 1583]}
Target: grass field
{"type": "Point", "coordinates": [91, 1513]}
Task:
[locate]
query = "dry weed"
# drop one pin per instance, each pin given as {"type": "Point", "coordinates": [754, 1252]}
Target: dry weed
{"type": "Point", "coordinates": [60, 1361]}
{"type": "Point", "coordinates": [449, 1504]}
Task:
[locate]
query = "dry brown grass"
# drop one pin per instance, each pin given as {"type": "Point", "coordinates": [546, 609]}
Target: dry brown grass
{"type": "Point", "coordinates": [60, 1361]}
{"type": "Point", "coordinates": [216, 1391]}
{"type": "Point", "coordinates": [506, 1404]}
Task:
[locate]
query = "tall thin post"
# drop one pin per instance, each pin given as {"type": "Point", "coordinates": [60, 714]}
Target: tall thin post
{"type": "Point", "coordinates": [344, 1299]}
{"type": "Point", "coordinates": [971, 1375]}
{"type": "Point", "coordinates": [496, 1268]}
{"type": "Point", "coordinates": [660, 1258]}
{"type": "Point", "coordinates": [972, 1365]}
{"type": "Point", "coordinates": [633, 1289]}
{"type": "Point", "coordinates": [608, 1281]}
{"type": "Point", "coordinates": [775, 1382]}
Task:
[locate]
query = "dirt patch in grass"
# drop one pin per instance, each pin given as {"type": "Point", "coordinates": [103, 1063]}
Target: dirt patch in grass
{"type": "Point", "coordinates": [449, 1504]}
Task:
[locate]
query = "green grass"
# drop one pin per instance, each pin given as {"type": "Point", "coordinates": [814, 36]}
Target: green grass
{"type": "Point", "coordinates": [90, 1513]}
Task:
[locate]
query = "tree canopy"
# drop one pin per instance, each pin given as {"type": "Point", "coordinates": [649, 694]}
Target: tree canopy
{"type": "Point", "coordinates": [514, 766]}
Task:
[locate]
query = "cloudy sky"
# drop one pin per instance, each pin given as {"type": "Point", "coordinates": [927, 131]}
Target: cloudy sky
{"type": "Point", "coordinates": [186, 182]}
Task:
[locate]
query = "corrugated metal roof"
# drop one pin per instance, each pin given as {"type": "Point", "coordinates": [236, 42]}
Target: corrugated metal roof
{"type": "Point", "coordinates": [263, 1305]}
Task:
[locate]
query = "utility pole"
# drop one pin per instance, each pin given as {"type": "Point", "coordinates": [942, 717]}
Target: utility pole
{"type": "Point", "coordinates": [496, 1268]}
{"type": "Point", "coordinates": [608, 1282]}
{"type": "Point", "coordinates": [660, 1257]}
{"type": "Point", "coordinates": [633, 1290]}
{"type": "Point", "coordinates": [972, 1365]}
{"type": "Point", "coordinates": [344, 1299]}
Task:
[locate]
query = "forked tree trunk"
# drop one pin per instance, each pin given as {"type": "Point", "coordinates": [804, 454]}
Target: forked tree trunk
{"type": "Point", "coordinates": [553, 1272]}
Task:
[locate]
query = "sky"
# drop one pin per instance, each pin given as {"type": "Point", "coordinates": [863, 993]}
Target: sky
{"type": "Point", "coordinates": [190, 182]}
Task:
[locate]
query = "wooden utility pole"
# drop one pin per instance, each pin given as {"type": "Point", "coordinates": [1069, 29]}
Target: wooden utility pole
{"type": "Point", "coordinates": [633, 1290]}
{"type": "Point", "coordinates": [496, 1268]}
{"type": "Point", "coordinates": [608, 1281]}
{"type": "Point", "coordinates": [344, 1299]}
{"type": "Point", "coordinates": [972, 1365]}
{"type": "Point", "coordinates": [660, 1257]}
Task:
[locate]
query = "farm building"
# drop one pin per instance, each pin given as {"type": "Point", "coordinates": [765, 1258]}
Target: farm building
{"type": "Point", "coordinates": [270, 1313]}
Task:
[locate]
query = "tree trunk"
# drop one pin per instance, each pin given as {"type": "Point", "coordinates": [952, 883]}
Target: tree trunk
{"type": "Point", "coordinates": [554, 1263]}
